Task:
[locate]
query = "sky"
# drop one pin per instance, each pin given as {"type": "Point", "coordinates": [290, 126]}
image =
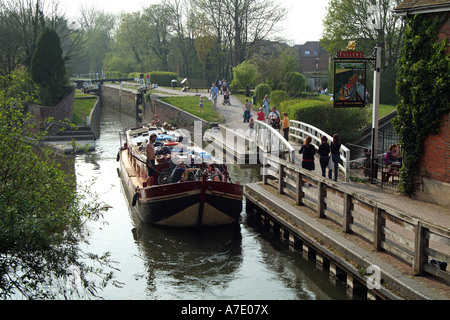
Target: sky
{"type": "Point", "coordinates": [303, 23]}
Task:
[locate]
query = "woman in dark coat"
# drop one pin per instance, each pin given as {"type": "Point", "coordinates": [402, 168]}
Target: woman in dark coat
{"type": "Point", "coordinates": [324, 152]}
{"type": "Point", "coordinates": [308, 150]}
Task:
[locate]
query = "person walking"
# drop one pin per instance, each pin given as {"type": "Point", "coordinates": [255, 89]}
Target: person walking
{"type": "Point", "coordinates": [261, 116]}
{"type": "Point", "coordinates": [266, 103]}
{"type": "Point", "coordinates": [285, 126]}
{"type": "Point", "coordinates": [214, 94]}
{"type": "Point", "coordinates": [308, 150]}
{"type": "Point", "coordinates": [275, 118]}
{"type": "Point", "coordinates": [247, 110]}
{"type": "Point", "coordinates": [324, 153]}
{"type": "Point", "coordinates": [335, 156]}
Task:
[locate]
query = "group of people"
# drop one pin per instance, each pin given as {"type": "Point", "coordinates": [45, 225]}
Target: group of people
{"type": "Point", "coordinates": [180, 172]}
{"type": "Point", "coordinates": [326, 152]}
{"type": "Point", "coordinates": [219, 87]}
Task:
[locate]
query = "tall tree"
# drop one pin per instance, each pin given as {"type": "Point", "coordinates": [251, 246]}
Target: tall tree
{"type": "Point", "coordinates": [353, 20]}
{"type": "Point", "coordinates": [48, 69]}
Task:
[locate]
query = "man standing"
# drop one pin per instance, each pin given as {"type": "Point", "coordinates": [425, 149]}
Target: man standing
{"type": "Point", "coordinates": [150, 151]}
{"type": "Point", "coordinates": [214, 94]}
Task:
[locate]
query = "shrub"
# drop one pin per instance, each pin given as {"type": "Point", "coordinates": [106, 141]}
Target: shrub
{"type": "Point", "coordinates": [244, 74]}
{"type": "Point", "coordinates": [261, 91]}
{"type": "Point", "coordinates": [295, 84]}
{"type": "Point", "coordinates": [163, 78]}
{"type": "Point", "coordinates": [346, 122]}
{"type": "Point", "coordinates": [277, 97]}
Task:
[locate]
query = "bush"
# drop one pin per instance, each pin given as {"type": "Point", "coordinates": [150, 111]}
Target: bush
{"type": "Point", "coordinates": [261, 91]}
{"type": "Point", "coordinates": [277, 97]}
{"type": "Point", "coordinates": [244, 74]}
{"type": "Point", "coordinates": [163, 78]}
{"type": "Point", "coordinates": [295, 84]}
{"type": "Point", "coordinates": [346, 122]}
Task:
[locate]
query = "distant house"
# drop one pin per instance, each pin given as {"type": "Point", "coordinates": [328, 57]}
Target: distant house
{"type": "Point", "coordinates": [314, 63]}
{"type": "Point", "coordinates": [436, 158]}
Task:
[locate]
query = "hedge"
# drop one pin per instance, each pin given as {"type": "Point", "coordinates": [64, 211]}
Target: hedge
{"type": "Point", "coordinates": [346, 122]}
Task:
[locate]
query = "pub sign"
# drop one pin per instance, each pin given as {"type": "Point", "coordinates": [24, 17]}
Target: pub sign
{"type": "Point", "coordinates": [349, 80]}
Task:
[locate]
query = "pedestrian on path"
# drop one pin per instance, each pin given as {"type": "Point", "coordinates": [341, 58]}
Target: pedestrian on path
{"type": "Point", "coordinates": [275, 118]}
{"type": "Point", "coordinates": [261, 115]}
{"type": "Point", "coordinates": [335, 156]}
{"type": "Point", "coordinates": [285, 126]}
{"type": "Point", "coordinates": [214, 94]}
{"type": "Point", "coordinates": [247, 110]}
{"type": "Point", "coordinates": [266, 103]}
{"type": "Point", "coordinates": [308, 150]}
{"type": "Point", "coordinates": [324, 153]}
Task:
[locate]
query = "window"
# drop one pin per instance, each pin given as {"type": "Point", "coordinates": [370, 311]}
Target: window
{"type": "Point", "coordinates": [307, 52]}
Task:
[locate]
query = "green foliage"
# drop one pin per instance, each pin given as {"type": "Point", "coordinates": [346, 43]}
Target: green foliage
{"type": "Point", "coordinates": [344, 121]}
{"type": "Point", "coordinates": [41, 214]}
{"type": "Point", "coordinates": [295, 84]}
{"type": "Point", "coordinates": [261, 91]}
{"type": "Point", "coordinates": [423, 84]}
{"type": "Point", "coordinates": [190, 104]}
{"type": "Point", "coordinates": [48, 69]}
{"type": "Point", "coordinates": [163, 78]}
{"type": "Point", "coordinates": [244, 74]}
{"type": "Point", "coordinates": [277, 97]}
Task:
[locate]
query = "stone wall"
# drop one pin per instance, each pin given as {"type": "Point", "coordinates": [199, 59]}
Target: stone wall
{"type": "Point", "coordinates": [128, 101]}
{"type": "Point", "coordinates": [60, 112]}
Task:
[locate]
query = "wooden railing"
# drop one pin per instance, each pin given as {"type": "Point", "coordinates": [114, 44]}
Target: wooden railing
{"type": "Point", "coordinates": [386, 228]}
{"type": "Point", "coordinates": [300, 130]}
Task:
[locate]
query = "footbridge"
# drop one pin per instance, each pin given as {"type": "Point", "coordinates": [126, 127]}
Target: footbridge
{"type": "Point", "coordinates": [266, 145]}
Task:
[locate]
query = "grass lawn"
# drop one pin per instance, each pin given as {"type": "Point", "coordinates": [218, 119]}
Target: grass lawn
{"type": "Point", "coordinates": [82, 107]}
{"type": "Point", "coordinates": [190, 104]}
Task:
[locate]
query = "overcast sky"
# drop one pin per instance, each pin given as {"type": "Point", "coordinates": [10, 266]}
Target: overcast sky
{"type": "Point", "coordinates": [304, 21]}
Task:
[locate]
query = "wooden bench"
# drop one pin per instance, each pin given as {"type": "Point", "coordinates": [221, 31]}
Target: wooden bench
{"type": "Point", "coordinates": [390, 171]}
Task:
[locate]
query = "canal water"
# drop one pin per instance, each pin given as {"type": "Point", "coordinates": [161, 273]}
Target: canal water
{"type": "Point", "coordinates": [237, 262]}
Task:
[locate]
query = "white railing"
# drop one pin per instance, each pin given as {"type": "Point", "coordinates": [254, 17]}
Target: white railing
{"type": "Point", "coordinates": [271, 141]}
{"type": "Point", "coordinates": [300, 130]}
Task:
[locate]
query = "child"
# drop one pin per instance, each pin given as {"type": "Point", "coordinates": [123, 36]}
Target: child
{"type": "Point", "coordinates": [251, 125]}
{"type": "Point", "coordinates": [200, 107]}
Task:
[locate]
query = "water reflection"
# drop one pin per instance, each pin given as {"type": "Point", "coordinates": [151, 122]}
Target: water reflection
{"type": "Point", "coordinates": [192, 261]}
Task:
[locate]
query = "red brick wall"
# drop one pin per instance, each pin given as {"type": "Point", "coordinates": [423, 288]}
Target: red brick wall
{"type": "Point", "coordinates": [436, 158]}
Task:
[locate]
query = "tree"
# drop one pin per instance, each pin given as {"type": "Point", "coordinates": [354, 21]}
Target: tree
{"type": "Point", "coordinates": [204, 41]}
{"type": "Point", "coordinates": [41, 214]}
{"type": "Point", "coordinates": [48, 69]}
{"type": "Point", "coordinates": [351, 20]}
{"type": "Point", "coordinates": [245, 74]}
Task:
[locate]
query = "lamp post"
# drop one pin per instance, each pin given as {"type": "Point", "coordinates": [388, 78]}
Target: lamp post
{"type": "Point", "coordinates": [375, 21]}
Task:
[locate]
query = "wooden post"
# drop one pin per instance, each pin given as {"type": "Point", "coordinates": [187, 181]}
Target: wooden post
{"type": "Point", "coordinates": [348, 207]}
{"type": "Point", "coordinates": [379, 223]}
{"type": "Point", "coordinates": [280, 177]}
{"type": "Point", "coordinates": [421, 243]}
{"type": "Point", "coordinates": [320, 197]}
{"type": "Point", "coordinates": [299, 185]}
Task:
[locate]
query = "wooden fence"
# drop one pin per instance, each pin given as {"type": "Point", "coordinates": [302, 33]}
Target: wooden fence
{"type": "Point", "coordinates": [387, 229]}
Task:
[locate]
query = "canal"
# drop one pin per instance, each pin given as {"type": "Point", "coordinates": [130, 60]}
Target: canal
{"type": "Point", "coordinates": [238, 262]}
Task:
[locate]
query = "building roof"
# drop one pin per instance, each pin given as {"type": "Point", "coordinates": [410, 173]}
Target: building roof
{"type": "Point", "coordinates": [407, 7]}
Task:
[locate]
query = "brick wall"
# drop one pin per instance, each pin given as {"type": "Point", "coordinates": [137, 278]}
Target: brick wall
{"type": "Point", "coordinates": [436, 158]}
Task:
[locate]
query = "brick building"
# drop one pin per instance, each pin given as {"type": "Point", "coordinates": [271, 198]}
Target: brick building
{"type": "Point", "coordinates": [436, 158]}
{"type": "Point", "coordinates": [314, 63]}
